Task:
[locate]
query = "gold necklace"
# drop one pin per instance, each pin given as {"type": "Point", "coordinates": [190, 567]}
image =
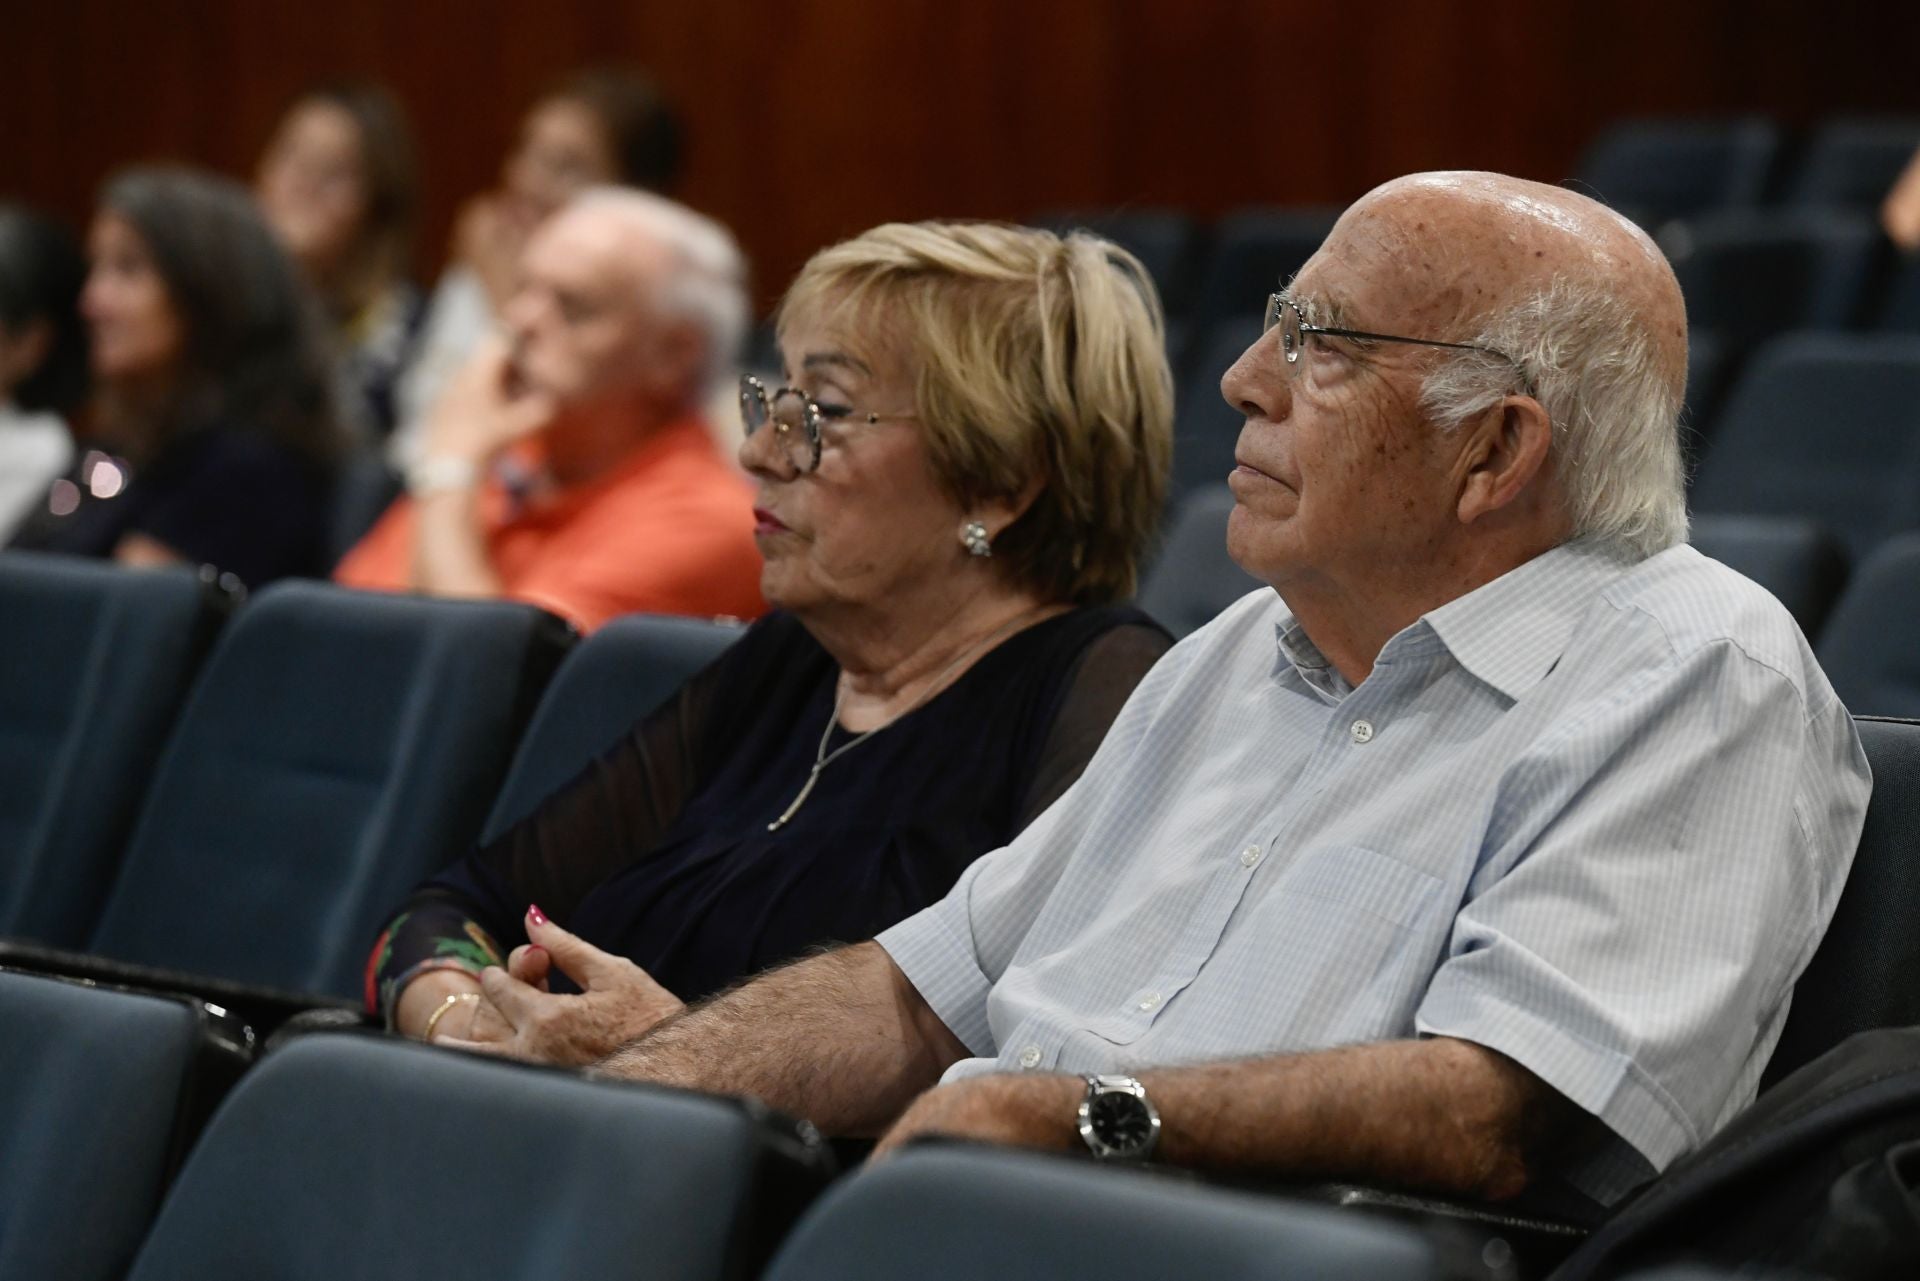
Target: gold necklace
{"type": "Point", "coordinates": [823, 758]}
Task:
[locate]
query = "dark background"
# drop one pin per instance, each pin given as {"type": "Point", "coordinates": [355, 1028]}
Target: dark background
{"type": "Point", "coordinates": [812, 119]}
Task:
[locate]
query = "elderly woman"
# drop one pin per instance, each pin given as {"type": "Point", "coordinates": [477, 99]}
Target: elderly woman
{"type": "Point", "coordinates": [954, 489]}
{"type": "Point", "coordinates": [337, 184]}
{"type": "Point", "coordinates": [213, 434]}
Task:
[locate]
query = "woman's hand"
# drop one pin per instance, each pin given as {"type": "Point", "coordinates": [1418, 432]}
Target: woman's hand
{"type": "Point", "coordinates": [618, 1000]}
{"type": "Point", "coordinates": [475, 1020]}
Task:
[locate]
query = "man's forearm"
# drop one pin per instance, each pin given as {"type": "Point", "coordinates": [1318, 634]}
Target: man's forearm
{"type": "Point", "coordinates": [450, 550]}
{"type": "Point", "coordinates": [842, 1039]}
{"type": "Point", "coordinates": [1439, 1114]}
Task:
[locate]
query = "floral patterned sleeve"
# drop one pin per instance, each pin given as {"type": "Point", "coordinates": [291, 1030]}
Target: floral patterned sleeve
{"type": "Point", "coordinates": [441, 936]}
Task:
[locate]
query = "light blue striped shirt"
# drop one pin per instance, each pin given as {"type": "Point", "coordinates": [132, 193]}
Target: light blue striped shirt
{"type": "Point", "coordinates": [1594, 815]}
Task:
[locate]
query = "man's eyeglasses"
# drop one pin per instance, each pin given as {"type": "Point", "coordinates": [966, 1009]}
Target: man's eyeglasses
{"type": "Point", "coordinates": [1294, 328]}
{"type": "Point", "coordinates": [797, 419]}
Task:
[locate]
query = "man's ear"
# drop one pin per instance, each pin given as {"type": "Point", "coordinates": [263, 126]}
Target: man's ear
{"type": "Point", "coordinates": [1505, 457]}
{"type": "Point", "coordinates": [28, 348]}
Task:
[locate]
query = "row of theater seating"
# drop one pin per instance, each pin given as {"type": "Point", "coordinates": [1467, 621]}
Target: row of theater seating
{"type": "Point", "coordinates": [351, 1155]}
{"type": "Point", "coordinates": [243, 793]}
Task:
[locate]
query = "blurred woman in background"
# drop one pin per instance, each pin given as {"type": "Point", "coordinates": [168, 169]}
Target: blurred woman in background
{"type": "Point", "coordinates": [338, 185]}
{"type": "Point", "coordinates": [213, 435]}
{"type": "Point", "coordinates": [43, 357]}
{"type": "Point", "coordinates": [607, 126]}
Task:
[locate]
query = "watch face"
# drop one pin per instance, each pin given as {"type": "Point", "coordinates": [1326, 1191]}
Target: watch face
{"type": "Point", "coordinates": [1120, 1120]}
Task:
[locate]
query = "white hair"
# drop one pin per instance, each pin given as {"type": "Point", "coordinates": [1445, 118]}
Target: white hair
{"type": "Point", "coordinates": [707, 284]}
{"type": "Point", "coordinates": [1587, 358]}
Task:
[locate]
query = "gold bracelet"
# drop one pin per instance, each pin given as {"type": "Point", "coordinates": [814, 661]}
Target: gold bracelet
{"type": "Point", "coordinates": [458, 998]}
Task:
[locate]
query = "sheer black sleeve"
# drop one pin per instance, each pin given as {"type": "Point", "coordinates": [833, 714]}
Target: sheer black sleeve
{"type": "Point", "coordinates": [1098, 687]}
{"type": "Point", "coordinates": [610, 814]}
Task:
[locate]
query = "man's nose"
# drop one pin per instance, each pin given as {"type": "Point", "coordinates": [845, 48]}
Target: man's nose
{"type": "Point", "coordinates": [1259, 384]}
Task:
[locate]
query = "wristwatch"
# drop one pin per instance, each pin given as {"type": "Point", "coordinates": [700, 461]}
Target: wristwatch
{"type": "Point", "coordinates": [1117, 1119]}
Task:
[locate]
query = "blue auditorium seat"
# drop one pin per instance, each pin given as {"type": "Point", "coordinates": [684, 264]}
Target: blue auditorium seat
{"type": "Point", "coordinates": [1863, 974]}
{"type": "Point", "coordinates": [939, 1211]}
{"type": "Point", "coordinates": [363, 487]}
{"type": "Point", "coordinates": [1871, 646]}
{"type": "Point", "coordinates": [1900, 311]}
{"type": "Point", "coordinates": [1751, 274]}
{"type": "Point", "coordinates": [1255, 252]}
{"type": "Point", "coordinates": [339, 747]}
{"type": "Point", "coordinates": [94, 662]}
{"type": "Point", "coordinates": [1194, 578]}
{"type": "Point", "coordinates": [100, 1091]}
{"type": "Point", "coordinates": [1678, 168]}
{"type": "Point", "coordinates": [1792, 557]}
{"type": "Point", "coordinates": [1852, 164]}
{"type": "Point", "coordinates": [609, 681]}
{"type": "Point", "coordinates": [1821, 426]}
{"type": "Point", "coordinates": [1205, 426]}
{"type": "Point", "coordinates": [351, 1155]}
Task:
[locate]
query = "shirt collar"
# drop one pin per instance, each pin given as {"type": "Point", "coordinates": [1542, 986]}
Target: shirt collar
{"type": "Point", "coordinates": [1508, 633]}
{"type": "Point", "coordinates": [1511, 631]}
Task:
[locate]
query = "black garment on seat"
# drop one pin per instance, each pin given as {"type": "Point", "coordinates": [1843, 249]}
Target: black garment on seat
{"type": "Point", "coordinates": [218, 496]}
{"type": "Point", "coordinates": [1819, 1178]}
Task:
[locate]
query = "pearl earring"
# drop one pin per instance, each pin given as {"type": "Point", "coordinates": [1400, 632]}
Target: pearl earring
{"type": "Point", "coordinates": [973, 536]}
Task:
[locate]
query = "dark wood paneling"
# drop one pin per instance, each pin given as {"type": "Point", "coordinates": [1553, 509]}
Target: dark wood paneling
{"type": "Point", "coordinates": [814, 118]}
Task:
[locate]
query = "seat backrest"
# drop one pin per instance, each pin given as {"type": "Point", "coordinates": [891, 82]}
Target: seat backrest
{"type": "Point", "coordinates": [1668, 168]}
{"type": "Point", "coordinates": [363, 487]}
{"type": "Point", "coordinates": [94, 663]}
{"type": "Point", "coordinates": [1254, 252]}
{"type": "Point", "coordinates": [610, 680]}
{"type": "Point", "coordinates": [1751, 274]}
{"type": "Point", "coordinates": [1205, 426]}
{"type": "Point", "coordinates": [1194, 578]}
{"type": "Point", "coordinates": [1866, 973]}
{"type": "Point", "coordinates": [942, 1210]}
{"type": "Point", "coordinates": [358, 1156]}
{"type": "Point", "coordinates": [1900, 309]}
{"type": "Point", "coordinates": [1792, 557]}
{"type": "Point", "coordinates": [340, 747]}
{"type": "Point", "coordinates": [92, 1083]}
{"type": "Point", "coordinates": [1853, 163]}
{"type": "Point", "coordinates": [1821, 426]}
{"type": "Point", "coordinates": [1871, 646]}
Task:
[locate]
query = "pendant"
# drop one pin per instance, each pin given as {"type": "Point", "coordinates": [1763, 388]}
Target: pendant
{"type": "Point", "coordinates": [813, 776]}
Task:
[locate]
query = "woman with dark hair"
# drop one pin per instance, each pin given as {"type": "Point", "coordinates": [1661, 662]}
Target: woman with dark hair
{"type": "Point", "coordinates": [43, 357]}
{"type": "Point", "coordinates": [214, 421]}
{"type": "Point", "coordinates": [593, 128]}
{"type": "Point", "coordinates": [338, 185]}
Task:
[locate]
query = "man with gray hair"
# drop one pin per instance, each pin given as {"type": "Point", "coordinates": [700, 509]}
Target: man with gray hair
{"type": "Point", "coordinates": [568, 464]}
{"type": "Point", "coordinates": [1481, 854]}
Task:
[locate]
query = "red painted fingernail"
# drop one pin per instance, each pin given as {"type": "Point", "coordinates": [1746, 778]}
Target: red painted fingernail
{"type": "Point", "coordinates": [535, 915]}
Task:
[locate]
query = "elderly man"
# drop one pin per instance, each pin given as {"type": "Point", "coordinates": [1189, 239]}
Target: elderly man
{"type": "Point", "coordinates": [1483, 856]}
{"type": "Point", "coordinates": [569, 465]}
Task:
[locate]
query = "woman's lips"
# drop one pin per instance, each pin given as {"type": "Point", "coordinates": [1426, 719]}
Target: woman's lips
{"type": "Point", "coordinates": [765, 522]}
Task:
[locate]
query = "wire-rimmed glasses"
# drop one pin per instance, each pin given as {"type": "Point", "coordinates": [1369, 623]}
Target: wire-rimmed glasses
{"type": "Point", "coordinates": [1294, 328]}
{"type": "Point", "coordinates": [797, 419]}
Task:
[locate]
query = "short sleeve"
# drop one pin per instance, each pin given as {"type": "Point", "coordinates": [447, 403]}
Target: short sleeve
{"type": "Point", "coordinates": [1636, 952]}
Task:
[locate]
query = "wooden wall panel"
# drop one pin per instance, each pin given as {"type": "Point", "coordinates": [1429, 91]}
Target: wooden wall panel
{"type": "Point", "coordinates": [814, 118]}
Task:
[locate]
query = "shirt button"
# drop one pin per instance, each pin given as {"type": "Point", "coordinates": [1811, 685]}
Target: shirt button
{"type": "Point", "coordinates": [1362, 731]}
{"type": "Point", "coordinates": [1150, 1002]}
{"type": "Point", "coordinates": [1030, 1057]}
{"type": "Point", "coordinates": [1249, 856]}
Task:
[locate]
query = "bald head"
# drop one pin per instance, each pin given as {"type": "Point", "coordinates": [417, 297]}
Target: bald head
{"type": "Point", "coordinates": [1464, 246]}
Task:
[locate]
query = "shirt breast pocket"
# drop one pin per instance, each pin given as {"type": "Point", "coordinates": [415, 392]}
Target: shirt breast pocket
{"type": "Point", "coordinates": [1349, 937]}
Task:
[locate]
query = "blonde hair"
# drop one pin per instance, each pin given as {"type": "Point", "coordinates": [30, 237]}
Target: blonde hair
{"type": "Point", "coordinates": [1034, 356]}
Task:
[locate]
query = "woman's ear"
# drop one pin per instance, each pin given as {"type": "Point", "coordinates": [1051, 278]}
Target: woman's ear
{"type": "Point", "coordinates": [998, 514]}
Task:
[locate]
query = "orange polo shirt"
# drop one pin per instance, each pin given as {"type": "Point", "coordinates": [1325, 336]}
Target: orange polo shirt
{"type": "Point", "coordinates": [669, 530]}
